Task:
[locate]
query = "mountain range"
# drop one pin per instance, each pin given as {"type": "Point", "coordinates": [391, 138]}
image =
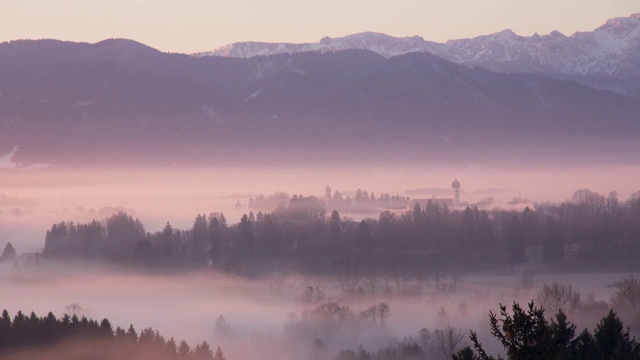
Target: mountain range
{"type": "Point", "coordinates": [388, 101]}
{"type": "Point", "coordinates": [611, 49]}
{"type": "Point", "coordinates": [605, 57]}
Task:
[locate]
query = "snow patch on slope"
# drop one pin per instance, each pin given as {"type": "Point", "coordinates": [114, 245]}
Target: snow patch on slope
{"type": "Point", "coordinates": [6, 162]}
{"type": "Point", "coordinates": [611, 49]}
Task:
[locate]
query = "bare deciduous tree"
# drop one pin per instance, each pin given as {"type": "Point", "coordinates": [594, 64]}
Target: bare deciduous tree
{"type": "Point", "coordinates": [558, 296]}
{"type": "Point", "coordinates": [456, 280]}
{"type": "Point", "coordinates": [438, 275]}
{"type": "Point", "coordinates": [349, 272]}
{"type": "Point", "coordinates": [425, 338]}
{"type": "Point", "coordinates": [421, 275]}
{"type": "Point", "coordinates": [384, 311]}
{"type": "Point", "coordinates": [76, 309]}
{"type": "Point", "coordinates": [371, 274]}
{"type": "Point", "coordinates": [446, 342]}
{"type": "Point", "coordinates": [627, 297]}
{"type": "Point", "coordinates": [400, 272]}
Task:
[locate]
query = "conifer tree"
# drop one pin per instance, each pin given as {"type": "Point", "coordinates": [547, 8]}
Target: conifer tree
{"type": "Point", "coordinates": [219, 355]}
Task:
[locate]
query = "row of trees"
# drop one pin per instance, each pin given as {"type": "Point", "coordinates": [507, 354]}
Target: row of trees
{"type": "Point", "coordinates": [364, 198]}
{"type": "Point", "coordinates": [330, 327]}
{"type": "Point", "coordinates": [28, 332]}
{"type": "Point", "coordinates": [332, 199]}
{"type": "Point", "coordinates": [603, 230]}
{"type": "Point", "coordinates": [335, 326]}
{"type": "Point", "coordinates": [440, 344]}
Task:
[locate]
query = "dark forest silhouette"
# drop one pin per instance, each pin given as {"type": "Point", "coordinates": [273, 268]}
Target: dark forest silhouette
{"type": "Point", "coordinates": [525, 334]}
{"type": "Point", "coordinates": [589, 229]}
{"type": "Point", "coordinates": [29, 332]}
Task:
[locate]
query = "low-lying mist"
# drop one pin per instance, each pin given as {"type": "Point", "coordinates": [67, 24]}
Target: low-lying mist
{"type": "Point", "coordinates": [288, 314]}
{"type": "Point", "coordinates": [280, 316]}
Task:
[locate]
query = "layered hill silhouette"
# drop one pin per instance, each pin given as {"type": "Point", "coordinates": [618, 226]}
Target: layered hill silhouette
{"type": "Point", "coordinates": [65, 102]}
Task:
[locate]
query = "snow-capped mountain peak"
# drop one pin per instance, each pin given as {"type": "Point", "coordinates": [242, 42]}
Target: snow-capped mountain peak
{"type": "Point", "coordinates": [611, 49]}
{"type": "Point", "coordinates": [621, 27]}
{"type": "Point", "coordinates": [383, 44]}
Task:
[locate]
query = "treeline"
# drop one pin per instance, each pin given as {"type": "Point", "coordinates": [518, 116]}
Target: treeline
{"type": "Point", "coordinates": [588, 229]}
{"type": "Point", "coordinates": [364, 198]}
{"type": "Point", "coordinates": [525, 334]}
{"type": "Point", "coordinates": [361, 200]}
{"type": "Point", "coordinates": [329, 326]}
{"type": "Point", "coordinates": [32, 332]}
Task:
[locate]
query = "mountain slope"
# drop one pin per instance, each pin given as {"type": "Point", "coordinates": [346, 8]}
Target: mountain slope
{"type": "Point", "coordinates": [612, 49]}
{"type": "Point", "coordinates": [77, 102]}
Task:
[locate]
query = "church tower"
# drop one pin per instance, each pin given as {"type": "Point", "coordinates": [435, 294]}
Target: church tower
{"type": "Point", "coordinates": [455, 192]}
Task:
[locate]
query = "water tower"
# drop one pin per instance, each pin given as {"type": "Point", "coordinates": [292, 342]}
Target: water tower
{"type": "Point", "coordinates": [455, 192]}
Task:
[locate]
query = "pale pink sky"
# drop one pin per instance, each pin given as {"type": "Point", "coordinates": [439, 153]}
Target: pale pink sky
{"type": "Point", "coordinates": [199, 25]}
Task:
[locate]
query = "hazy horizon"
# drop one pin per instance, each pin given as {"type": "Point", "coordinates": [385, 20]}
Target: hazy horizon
{"type": "Point", "coordinates": [198, 26]}
{"type": "Point", "coordinates": [33, 200]}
